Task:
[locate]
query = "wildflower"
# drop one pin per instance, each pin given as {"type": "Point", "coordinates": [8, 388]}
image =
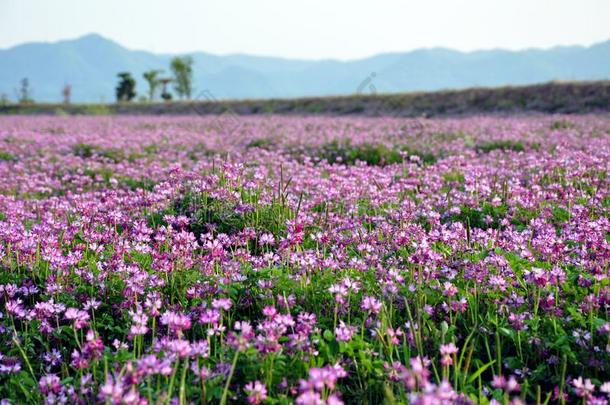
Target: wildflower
{"type": "Point", "coordinates": [201, 373]}
{"type": "Point", "coordinates": [49, 383]}
{"type": "Point", "coordinates": [242, 338]}
{"type": "Point", "coordinates": [583, 389]}
{"type": "Point", "coordinates": [395, 371]}
{"type": "Point", "coordinates": [9, 365]}
{"type": "Point", "coordinates": [15, 308]}
{"type": "Point", "coordinates": [53, 358]}
{"type": "Point", "coordinates": [91, 304]}
{"type": "Point", "coordinates": [498, 382]}
{"type": "Point", "coordinates": [176, 322]}
{"type": "Point", "coordinates": [344, 332]}
{"type": "Point", "coordinates": [256, 392]}
{"type": "Point", "coordinates": [139, 319]}
{"type": "Point", "coordinates": [309, 398]}
{"type": "Point", "coordinates": [371, 305]}
{"type": "Point", "coordinates": [266, 239]}
{"type": "Point", "coordinates": [447, 351]}
{"type": "Point", "coordinates": [80, 318]}
{"type": "Point", "coordinates": [112, 390]}
{"type": "Point", "coordinates": [269, 311]}
{"type": "Point", "coordinates": [512, 385]}
{"type": "Point", "coordinates": [339, 291]}
{"type": "Point", "coordinates": [222, 303]}
{"type": "Point", "coordinates": [449, 289]}
{"type": "Point", "coordinates": [419, 369]}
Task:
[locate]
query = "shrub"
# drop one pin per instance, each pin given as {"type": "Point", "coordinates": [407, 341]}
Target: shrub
{"type": "Point", "coordinates": [96, 109]}
{"type": "Point", "coordinates": [426, 157]}
{"type": "Point", "coordinates": [261, 143]}
{"type": "Point", "coordinates": [488, 216]}
{"type": "Point", "coordinates": [503, 144]}
{"type": "Point", "coordinates": [134, 184]}
{"type": "Point", "coordinates": [116, 155]}
{"type": "Point", "coordinates": [346, 153]}
{"type": "Point", "coordinates": [561, 124]}
{"type": "Point", "coordinates": [86, 151]}
{"type": "Point", "coordinates": [7, 157]}
{"type": "Point", "coordinates": [83, 150]}
{"type": "Point", "coordinates": [209, 214]}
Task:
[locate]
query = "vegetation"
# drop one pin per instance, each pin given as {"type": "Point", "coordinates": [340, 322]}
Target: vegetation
{"type": "Point", "coordinates": [25, 92]}
{"type": "Point", "coordinates": [504, 144]}
{"type": "Point", "coordinates": [126, 89]}
{"type": "Point", "coordinates": [566, 98]}
{"type": "Point", "coordinates": [152, 79]}
{"type": "Point", "coordinates": [396, 262]}
{"type": "Point", "coordinates": [66, 93]}
{"type": "Point", "coordinates": [182, 70]}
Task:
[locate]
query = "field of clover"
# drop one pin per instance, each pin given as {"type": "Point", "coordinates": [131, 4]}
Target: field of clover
{"type": "Point", "coordinates": [307, 260]}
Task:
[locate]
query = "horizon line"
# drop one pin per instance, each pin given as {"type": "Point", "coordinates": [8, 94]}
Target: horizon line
{"type": "Point", "coordinates": [333, 59]}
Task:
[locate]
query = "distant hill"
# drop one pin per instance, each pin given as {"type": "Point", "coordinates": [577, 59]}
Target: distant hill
{"type": "Point", "coordinates": [90, 65]}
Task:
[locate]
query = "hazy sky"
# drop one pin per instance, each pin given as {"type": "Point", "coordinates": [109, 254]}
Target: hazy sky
{"type": "Point", "coordinates": [343, 29]}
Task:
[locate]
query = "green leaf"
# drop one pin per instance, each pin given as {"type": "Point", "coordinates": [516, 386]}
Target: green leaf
{"type": "Point", "coordinates": [444, 327]}
{"type": "Point", "coordinates": [506, 332]}
{"type": "Point", "coordinates": [480, 371]}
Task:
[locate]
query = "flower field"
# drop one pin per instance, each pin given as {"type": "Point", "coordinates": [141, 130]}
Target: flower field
{"type": "Point", "coordinates": [308, 260]}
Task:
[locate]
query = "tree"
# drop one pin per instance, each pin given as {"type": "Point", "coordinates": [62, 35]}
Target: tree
{"type": "Point", "coordinates": [66, 93]}
{"type": "Point", "coordinates": [126, 89]}
{"type": "Point", "coordinates": [165, 95]}
{"type": "Point", "coordinates": [24, 95]}
{"type": "Point", "coordinates": [182, 69]}
{"type": "Point", "coordinates": [152, 78]}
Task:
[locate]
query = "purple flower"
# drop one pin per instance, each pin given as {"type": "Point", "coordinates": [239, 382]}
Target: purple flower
{"type": "Point", "coordinates": [582, 388]}
{"type": "Point", "coordinates": [256, 392]}
{"type": "Point", "coordinates": [344, 333]}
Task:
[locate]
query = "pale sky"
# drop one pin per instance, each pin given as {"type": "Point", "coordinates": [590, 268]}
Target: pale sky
{"type": "Point", "coordinates": [312, 29]}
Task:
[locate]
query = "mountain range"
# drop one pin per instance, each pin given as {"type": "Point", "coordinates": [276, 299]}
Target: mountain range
{"type": "Point", "coordinates": [90, 65]}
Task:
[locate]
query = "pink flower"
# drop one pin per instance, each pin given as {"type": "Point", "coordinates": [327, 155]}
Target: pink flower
{"type": "Point", "coordinates": [583, 389]}
{"type": "Point", "coordinates": [222, 303]}
{"type": "Point", "coordinates": [49, 383]}
{"type": "Point", "coordinates": [139, 319]}
{"type": "Point", "coordinates": [344, 333]}
{"type": "Point", "coordinates": [447, 351]}
{"type": "Point", "coordinates": [80, 318]}
{"type": "Point", "coordinates": [176, 322]}
{"type": "Point", "coordinates": [256, 392]}
{"type": "Point", "coordinates": [371, 305]}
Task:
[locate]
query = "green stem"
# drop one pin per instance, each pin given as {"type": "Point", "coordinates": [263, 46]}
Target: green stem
{"type": "Point", "coordinates": [225, 392]}
{"type": "Point", "coordinates": [182, 391]}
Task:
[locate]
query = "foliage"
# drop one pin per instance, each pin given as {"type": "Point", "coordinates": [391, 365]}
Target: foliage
{"type": "Point", "coordinates": [182, 71]}
{"type": "Point", "coordinates": [24, 94]}
{"type": "Point", "coordinates": [152, 79]}
{"type": "Point", "coordinates": [126, 89]}
{"type": "Point", "coordinates": [504, 145]}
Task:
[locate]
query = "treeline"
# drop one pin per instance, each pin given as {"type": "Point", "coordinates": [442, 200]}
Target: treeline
{"type": "Point", "coordinates": [180, 78]}
{"type": "Point", "coordinates": [181, 68]}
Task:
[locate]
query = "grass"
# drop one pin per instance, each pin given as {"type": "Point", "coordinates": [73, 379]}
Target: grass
{"type": "Point", "coordinates": [503, 145]}
{"type": "Point", "coordinates": [7, 156]}
{"type": "Point", "coordinates": [344, 152]}
{"type": "Point", "coordinates": [553, 97]}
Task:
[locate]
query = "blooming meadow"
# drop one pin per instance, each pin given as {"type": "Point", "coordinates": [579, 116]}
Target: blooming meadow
{"type": "Point", "coordinates": [304, 260]}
